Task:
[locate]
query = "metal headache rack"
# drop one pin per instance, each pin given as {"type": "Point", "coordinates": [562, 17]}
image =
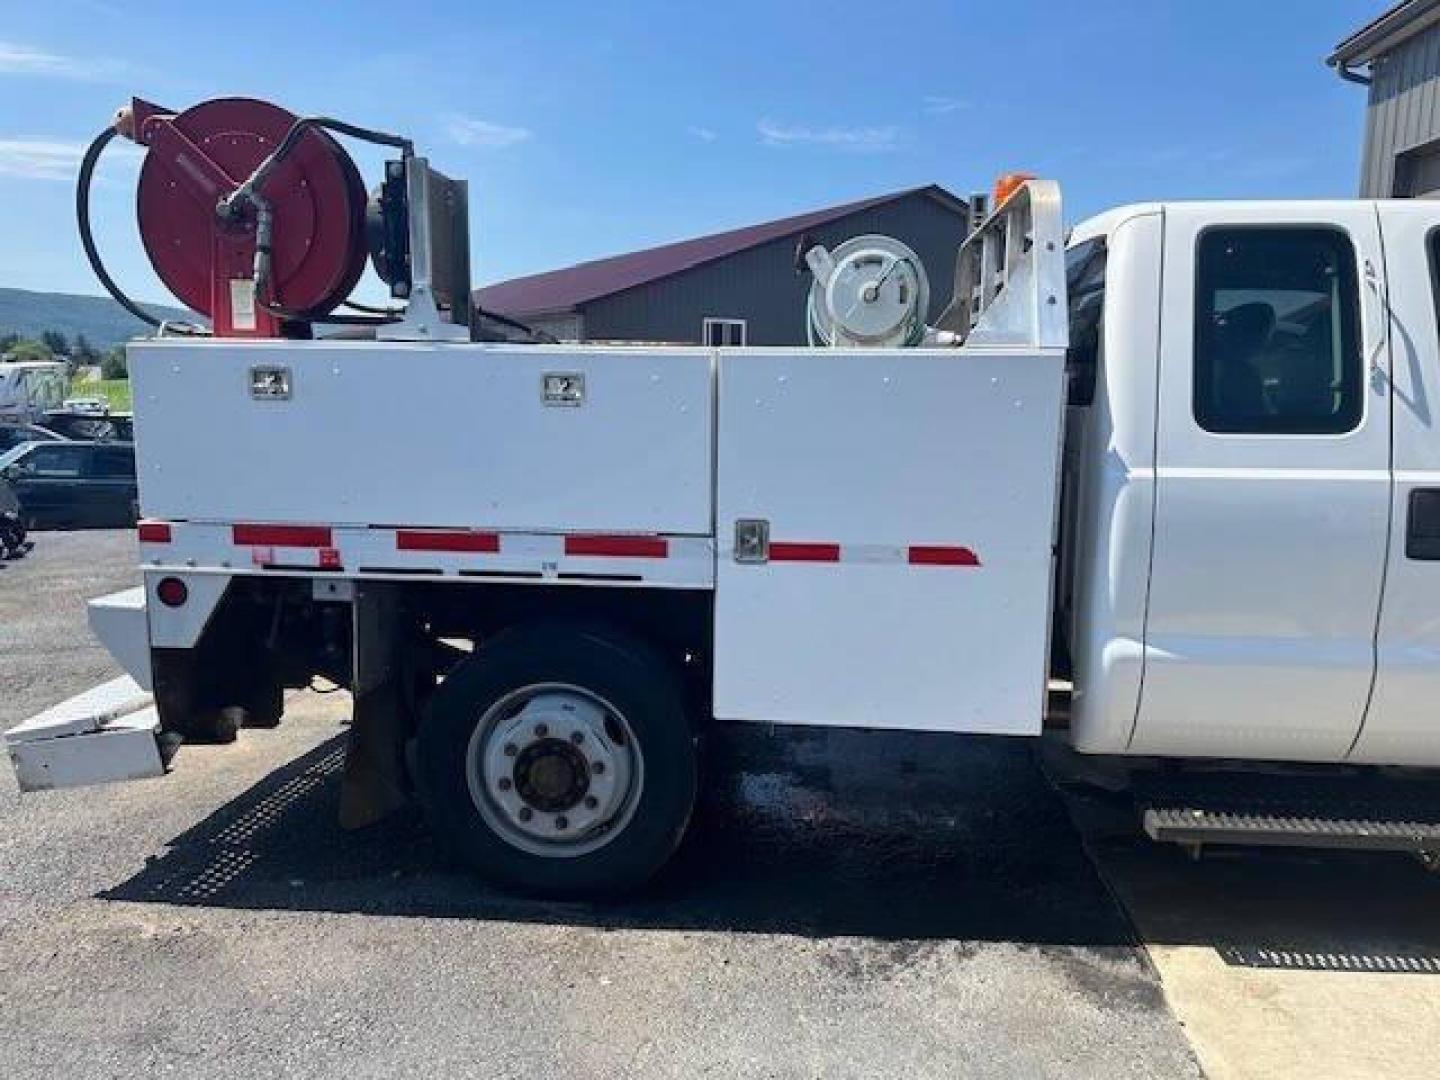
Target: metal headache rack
{"type": "Point", "coordinates": [1010, 274]}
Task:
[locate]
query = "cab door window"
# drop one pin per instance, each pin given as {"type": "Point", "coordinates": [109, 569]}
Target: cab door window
{"type": "Point", "coordinates": [1277, 340]}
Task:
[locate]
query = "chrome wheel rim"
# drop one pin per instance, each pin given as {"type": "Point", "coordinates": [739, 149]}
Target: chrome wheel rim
{"type": "Point", "coordinates": [554, 770]}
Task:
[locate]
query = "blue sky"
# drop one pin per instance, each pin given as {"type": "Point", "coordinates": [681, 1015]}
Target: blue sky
{"type": "Point", "coordinates": [592, 128]}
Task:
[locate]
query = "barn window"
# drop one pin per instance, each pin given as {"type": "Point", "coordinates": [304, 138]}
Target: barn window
{"type": "Point", "coordinates": [717, 332]}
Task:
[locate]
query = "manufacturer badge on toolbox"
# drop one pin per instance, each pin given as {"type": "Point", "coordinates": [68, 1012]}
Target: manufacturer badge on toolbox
{"type": "Point", "coordinates": [270, 383]}
{"type": "Point", "coordinates": [563, 388]}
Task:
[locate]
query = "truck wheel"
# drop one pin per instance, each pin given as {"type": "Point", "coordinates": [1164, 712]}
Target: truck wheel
{"type": "Point", "coordinates": [559, 760]}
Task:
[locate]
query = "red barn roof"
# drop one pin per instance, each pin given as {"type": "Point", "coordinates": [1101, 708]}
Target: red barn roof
{"type": "Point", "coordinates": [562, 290]}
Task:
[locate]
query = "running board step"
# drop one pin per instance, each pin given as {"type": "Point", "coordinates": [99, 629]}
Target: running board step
{"type": "Point", "coordinates": [1194, 827]}
{"type": "Point", "coordinates": [1342, 809]}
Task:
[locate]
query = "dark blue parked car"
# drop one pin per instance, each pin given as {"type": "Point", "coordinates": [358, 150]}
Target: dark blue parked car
{"type": "Point", "coordinates": [70, 485]}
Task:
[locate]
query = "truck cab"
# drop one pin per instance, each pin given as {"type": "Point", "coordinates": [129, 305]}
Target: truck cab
{"type": "Point", "coordinates": [1251, 498]}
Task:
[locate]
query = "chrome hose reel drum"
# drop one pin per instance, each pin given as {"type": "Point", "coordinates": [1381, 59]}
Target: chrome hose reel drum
{"type": "Point", "coordinates": [870, 292]}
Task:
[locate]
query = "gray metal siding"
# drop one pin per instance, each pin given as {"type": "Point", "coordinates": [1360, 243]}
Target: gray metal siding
{"type": "Point", "coordinates": [760, 285]}
{"type": "Point", "coordinates": [1404, 111]}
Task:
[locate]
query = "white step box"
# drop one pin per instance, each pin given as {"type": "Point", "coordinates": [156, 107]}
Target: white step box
{"type": "Point", "coordinates": [110, 732]}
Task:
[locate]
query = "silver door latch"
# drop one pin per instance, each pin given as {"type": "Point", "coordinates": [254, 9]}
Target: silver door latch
{"type": "Point", "coordinates": [752, 540]}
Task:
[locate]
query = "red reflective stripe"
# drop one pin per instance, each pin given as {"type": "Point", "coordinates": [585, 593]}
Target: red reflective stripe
{"type": "Point", "coordinates": [154, 532]}
{"type": "Point", "coordinates": [283, 535]}
{"type": "Point", "coordinates": [628, 547]}
{"type": "Point", "coordinates": [439, 540]}
{"type": "Point", "coordinates": [790, 551]}
{"type": "Point", "coordinates": [936, 555]}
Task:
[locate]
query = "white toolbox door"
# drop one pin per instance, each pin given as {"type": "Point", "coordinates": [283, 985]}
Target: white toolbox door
{"type": "Point", "coordinates": [426, 435]}
{"type": "Point", "coordinates": [910, 501]}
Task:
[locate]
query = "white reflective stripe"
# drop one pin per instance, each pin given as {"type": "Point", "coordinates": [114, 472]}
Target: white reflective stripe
{"type": "Point", "coordinates": [873, 553]}
{"type": "Point", "coordinates": [362, 551]}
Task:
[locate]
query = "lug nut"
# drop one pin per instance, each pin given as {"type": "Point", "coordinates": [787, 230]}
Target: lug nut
{"type": "Point", "coordinates": [591, 802]}
{"type": "Point", "coordinates": [510, 750]}
{"type": "Point", "coordinates": [526, 813]}
{"type": "Point", "coordinates": [504, 783]}
{"type": "Point", "coordinates": [541, 731]}
{"type": "Point", "coordinates": [562, 822]}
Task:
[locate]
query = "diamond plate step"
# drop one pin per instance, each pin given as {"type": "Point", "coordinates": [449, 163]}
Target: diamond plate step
{"type": "Point", "coordinates": [1193, 825]}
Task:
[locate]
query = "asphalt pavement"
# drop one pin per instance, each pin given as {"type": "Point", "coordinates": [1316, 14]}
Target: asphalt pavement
{"type": "Point", "coordinates": [847, 904]}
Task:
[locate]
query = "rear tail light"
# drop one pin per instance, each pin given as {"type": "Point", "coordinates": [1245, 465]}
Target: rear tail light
{"type": "Point", "coordinates": [154, 532]}
{"type": "Point", "coordinates": [172, 592]}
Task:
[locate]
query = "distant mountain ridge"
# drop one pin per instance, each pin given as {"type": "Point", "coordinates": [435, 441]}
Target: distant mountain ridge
{"type": "Point", "coordinates": [103, 322]}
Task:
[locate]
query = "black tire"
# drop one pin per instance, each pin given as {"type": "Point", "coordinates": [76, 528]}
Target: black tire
{"type": "Point", "coordinates": [601, 660]}
{"type": "Point", "coordinates": [182, 712]}
{"type": "Point", "coordinates": [265, 703]}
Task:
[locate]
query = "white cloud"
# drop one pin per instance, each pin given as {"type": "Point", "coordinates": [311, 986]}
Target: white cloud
{"type": "Point", "coordinates": [937, 105]}
{"type": "Point", "coordinates": [469, 131]}
{"type": "Point", "coordinates": [861, 140]}
{"type": "Point", "coordinates": [16, 59]}
{"type": "Point", "coordinates": [37, 159]}
{"type": "Point", "coordinates": [54, 159]}
{"type": "Point", "coordinates": [704, 134]}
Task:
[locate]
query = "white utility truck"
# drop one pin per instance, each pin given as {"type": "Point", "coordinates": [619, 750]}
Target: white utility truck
{"type": "Point", "coordinates": [1185, 460]}
{"type": "Point", "coordinates": [31, 388]}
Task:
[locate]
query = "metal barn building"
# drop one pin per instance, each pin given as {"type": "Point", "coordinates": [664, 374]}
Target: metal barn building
{"type": "Point", "coordinates": [1398, 57]}
{"type": "Point", "coordinates": [738, 287]}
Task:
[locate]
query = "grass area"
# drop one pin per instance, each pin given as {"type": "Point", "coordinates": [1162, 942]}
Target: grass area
{"type": "Point", "coordinates": [115, 391]}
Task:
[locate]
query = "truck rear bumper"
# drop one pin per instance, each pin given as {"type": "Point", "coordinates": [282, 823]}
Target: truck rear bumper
{"type": "Point", "coordinates": [110, 732]}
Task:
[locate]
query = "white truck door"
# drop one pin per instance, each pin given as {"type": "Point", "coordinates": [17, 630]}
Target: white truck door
{"type": "Point", "coordinates": [1273, 483]}
{"type": "Point", "coordinates": [1402, 725]}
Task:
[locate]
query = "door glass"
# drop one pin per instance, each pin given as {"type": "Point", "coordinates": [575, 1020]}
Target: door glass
{"type": "Point", "coordinates": [1277, 346]}
{"type": "Point", "coordinates": [113, 463]}
{"type": "Point", "coordinates": [56, 462]}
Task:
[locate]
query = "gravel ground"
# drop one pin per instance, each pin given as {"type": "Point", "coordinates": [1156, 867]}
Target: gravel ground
{"type": "Point", "coordinates": [847, 904]}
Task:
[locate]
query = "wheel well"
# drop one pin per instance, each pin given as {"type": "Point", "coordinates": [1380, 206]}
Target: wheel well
{"type": "Point", "coordinates": [677, 622]}
{"type": "Point", "coordinates": [667, 618]}
{"type": "Point", "coordinates": [272, 630]}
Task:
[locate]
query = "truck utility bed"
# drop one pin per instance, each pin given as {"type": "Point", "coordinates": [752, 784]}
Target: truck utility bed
{"type": "Point", "coordinates": [907, 497]}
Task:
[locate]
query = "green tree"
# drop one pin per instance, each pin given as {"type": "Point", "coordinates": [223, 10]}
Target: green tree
{"type": "Point", "coordinates": [56, 342]}
{"type": "Point", "coordinates": [8, 342]}
{"type": "Point", "coordinates": [82, 354]}
{"type": "Point", "coordinates": [113, 365]}
{"type": "Point", "coordinates": [84, 351]}
{"type": "Point", "coordinates": [30, 350]}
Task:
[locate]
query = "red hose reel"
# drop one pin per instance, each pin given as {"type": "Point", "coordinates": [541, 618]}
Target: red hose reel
{"type": "Point", "coordinates": [198, 158]}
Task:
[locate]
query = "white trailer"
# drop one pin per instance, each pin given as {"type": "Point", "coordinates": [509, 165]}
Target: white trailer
{"type": "Point", "coordinates": [1185, 461]}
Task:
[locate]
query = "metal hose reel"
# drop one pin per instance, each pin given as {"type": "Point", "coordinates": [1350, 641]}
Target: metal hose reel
{"type": "Point", "coordinates": [870, 292]}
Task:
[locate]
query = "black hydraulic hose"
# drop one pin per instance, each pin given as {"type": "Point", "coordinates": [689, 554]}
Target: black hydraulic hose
{"type": "Point", "coordinates": [87, 238]}
{"type": "Point", "coordinates": [505, 320]}
{"type": "Point", "coordinates": [333, 318]}
{"type": "Point", "coordinates": [250, 191]}
{"type": "Point", "coordinates": [370, 309]}
{"type": "Point", "coordinates": [262, 172]}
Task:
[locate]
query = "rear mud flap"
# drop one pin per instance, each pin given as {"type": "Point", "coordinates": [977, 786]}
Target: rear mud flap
{"type": "Point", "coordinates": [374, 784]}
{"type": "Point", "coordinates": [108, 733]}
